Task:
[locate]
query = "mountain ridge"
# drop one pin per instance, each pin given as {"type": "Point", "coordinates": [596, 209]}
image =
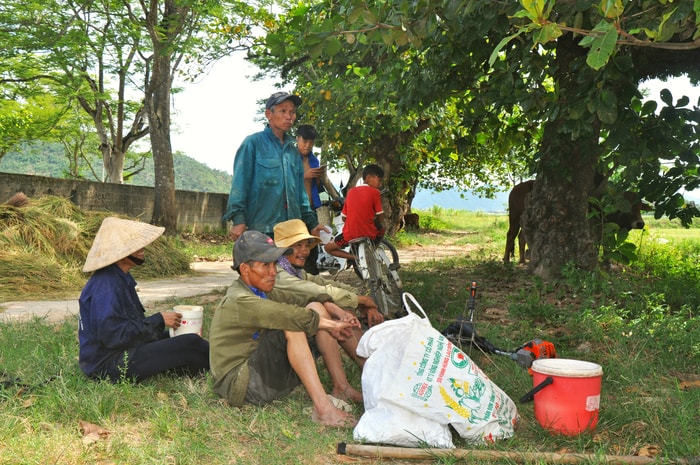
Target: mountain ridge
{"type": "Point", "coordinates": [192, 175]}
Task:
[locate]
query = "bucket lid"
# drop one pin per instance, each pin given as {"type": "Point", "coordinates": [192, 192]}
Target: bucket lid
{"type": "Point", "coordinates": [567, 367]}
{"type": "Point", "coordinates": [190, 311]}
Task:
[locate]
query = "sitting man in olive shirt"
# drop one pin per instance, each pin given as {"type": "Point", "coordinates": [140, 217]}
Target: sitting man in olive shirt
{"type": "Point", "coordinates": [260, 349]}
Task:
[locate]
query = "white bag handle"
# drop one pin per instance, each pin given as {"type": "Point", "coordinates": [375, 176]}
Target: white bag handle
{"type": "Point", "coordinates": [406, 296]}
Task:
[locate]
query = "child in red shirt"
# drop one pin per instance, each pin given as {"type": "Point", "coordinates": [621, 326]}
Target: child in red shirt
{"type": "Point", "coordinates": [362, 211]}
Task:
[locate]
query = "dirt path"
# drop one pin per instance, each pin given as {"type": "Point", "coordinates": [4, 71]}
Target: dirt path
{"type": "Point", "coordinates": [418, 253]}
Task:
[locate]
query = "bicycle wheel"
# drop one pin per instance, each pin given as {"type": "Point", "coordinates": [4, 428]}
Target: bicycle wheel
{"type": "Point", "coordinates": [384, 283]}
{"type": "Point", "coordinates": [390, 257]}
{"type": "Point", "coordinates": [360, 250]}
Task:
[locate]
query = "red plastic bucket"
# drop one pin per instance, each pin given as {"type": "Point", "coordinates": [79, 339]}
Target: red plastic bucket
{"type": "Point", "coordinates": [570, 399]}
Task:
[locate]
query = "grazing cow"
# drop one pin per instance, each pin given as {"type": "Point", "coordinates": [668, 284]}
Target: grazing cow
{"type": "Point", "coordinates": [411, 221]}
{"type": "Point", "coordinates": [516, 205]}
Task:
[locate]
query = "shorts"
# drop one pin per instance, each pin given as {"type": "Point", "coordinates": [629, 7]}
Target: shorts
{"type": "Point", "coordinates": [341, 242]}
{"type": "Point", "coordinates": [271, 375]}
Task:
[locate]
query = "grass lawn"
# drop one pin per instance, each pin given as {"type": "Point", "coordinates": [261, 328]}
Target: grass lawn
{"type": "Point", "coordinates": [639, 322]}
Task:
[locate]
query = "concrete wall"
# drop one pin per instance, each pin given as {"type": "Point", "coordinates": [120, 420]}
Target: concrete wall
{"type": "Point", "coordinates": [197, 211]}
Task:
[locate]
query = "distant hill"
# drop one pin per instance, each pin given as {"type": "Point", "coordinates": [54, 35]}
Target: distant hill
{"type": "Point", "coordinates": [48, 160]}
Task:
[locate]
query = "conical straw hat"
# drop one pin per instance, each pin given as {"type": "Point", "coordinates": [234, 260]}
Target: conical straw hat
{"type": "Point", "coordinates": [118, 238]}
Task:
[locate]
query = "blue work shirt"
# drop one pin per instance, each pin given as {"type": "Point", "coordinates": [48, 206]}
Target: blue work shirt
{"type": "Point", "coordinates": [268, 184]}
{"type": "Point", "coordinates": [112, 320]}
{"type": "Point", "coordinates": [316, 186]}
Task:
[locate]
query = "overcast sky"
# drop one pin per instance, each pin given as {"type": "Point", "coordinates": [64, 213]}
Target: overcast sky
{"type": "Point", "coordinates": [214, 115]}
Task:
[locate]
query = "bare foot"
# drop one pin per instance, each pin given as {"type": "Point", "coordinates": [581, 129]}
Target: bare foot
{"type": "Point", "coordinates": [334, 417]}
{"type": "Point", "coordinates": [349, 393]}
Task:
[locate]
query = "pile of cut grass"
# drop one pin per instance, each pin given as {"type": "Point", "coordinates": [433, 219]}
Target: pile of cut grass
{"type": "Point", "coordinates": [44, 245]}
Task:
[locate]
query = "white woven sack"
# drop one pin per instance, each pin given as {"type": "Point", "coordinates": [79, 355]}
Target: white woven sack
{"type": "Point", "coordinates": [412, 367]}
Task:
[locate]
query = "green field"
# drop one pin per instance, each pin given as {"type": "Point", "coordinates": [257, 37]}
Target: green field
{"type": "Point", "coordinates": [639, 322]}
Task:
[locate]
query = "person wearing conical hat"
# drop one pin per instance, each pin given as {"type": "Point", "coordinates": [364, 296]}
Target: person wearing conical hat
{"type": "Point", "coordinates": [117, 340]}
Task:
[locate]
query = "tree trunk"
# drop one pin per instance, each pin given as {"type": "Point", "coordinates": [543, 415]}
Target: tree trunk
{"type": "Point", "coordinates": [394, 201]}
{"type": "Point", "coordinates": [113, 162]}
{"type": "Point", "coordinates": [164, 211]}
{"type": "Point", "coordinates": [163, 32]}
{"type": "Point", "coordinates": [555, 220]}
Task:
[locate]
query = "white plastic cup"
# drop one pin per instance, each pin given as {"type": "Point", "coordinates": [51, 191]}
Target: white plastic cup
{"type": "Point", "coordinates": [192, 320]}
{"type": "Point", "coordinates": [325, 237]}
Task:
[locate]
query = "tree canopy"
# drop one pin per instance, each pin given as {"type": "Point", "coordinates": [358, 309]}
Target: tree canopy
{"type": "Point", "coordinates": [116, 62]}
{"type": "Point", "coordinates": [479, 89]}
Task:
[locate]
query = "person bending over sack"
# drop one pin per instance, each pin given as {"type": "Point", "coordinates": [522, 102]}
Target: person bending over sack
{"type": "Point", "coordinates": [261, 350]}
{"type": "Point", "coordinates": [117, 340]}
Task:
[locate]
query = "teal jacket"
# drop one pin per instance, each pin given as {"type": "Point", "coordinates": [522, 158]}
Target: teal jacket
{"type": "Point", "coordinates": [268, 184]}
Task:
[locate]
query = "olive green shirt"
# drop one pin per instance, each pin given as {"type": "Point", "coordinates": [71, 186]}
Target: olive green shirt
{"type": "Point", "coordinates": [314, 287]}
{"type": "Point", "coordinates": [235, 330]}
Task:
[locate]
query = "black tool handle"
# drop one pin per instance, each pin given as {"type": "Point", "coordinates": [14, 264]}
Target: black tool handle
{"type": "Point", "coordinates": [531, 395]}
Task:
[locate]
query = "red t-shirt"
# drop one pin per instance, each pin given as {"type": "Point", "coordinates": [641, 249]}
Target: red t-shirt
{"type": "Point", "coordinates": [362, 204]}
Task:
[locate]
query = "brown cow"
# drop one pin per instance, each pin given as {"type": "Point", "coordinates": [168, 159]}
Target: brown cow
{"type": "Point", "coordinates": [516, 205]}
{"type": "Point", "coordinates": [411, 221]}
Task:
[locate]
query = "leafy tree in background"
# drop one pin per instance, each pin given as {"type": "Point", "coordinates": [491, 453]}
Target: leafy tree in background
{"type": "Point", "coordinates": [403, 109]}
{"type": "Point", "coordinates": [80, 54]}
{"type": "Point", "coordinates": [551, 84]}
{"type": "Point", "coordinates": [117, 61]}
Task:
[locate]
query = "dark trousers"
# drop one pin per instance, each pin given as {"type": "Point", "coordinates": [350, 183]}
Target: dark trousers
{"type": "Point", "coordinates": [311, 265]}
{"type": "Point", "coordinates": [271, 374]}
{"type": "Point", "coordinates": [186, 354]}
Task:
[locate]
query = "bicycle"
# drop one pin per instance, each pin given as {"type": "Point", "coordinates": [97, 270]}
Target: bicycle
{"type": "Point", "coordinates": [377, 264]}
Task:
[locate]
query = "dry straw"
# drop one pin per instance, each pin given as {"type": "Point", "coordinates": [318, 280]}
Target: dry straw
{"type": "Point", "coordinates": [44, 244]}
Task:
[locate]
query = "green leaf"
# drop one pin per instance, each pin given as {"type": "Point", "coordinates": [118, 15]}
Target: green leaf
{"type": "Point", "coordinates": [361, 72]}
{"type": "Point", "coordinates": [547, 33]}
{"type": "Point", "coordinates": [333, 46]}
{"type": "Point", "coordinates": [602, 48]}
{"type": "Point", "coordinates": [354, 15]}
{"type": "Point", "coordinates": [501, 44]}
{"type": "Point", "coordinates": [607, 108]}
{"type": "Point", "coordinates": [666, 28]}
{"type": "Point", "coordinates": [666, 97]}
{"type": "Point", "coordinates": [612, 8]}
{"type": "Point", "coordinates": [369, 17]}
{"type": "Point", "coordinates": [524, 14]}
{"type": "Point", "coordinates": [316, 50]}
{"type": "Point", "coordinates": [534, 7]}
{"type": "Point", "coordinates": [649, 107]}
{"type": "Point", "coordinates": [598, 31]}
{"type": "Point", "coordinates": [388, 37]}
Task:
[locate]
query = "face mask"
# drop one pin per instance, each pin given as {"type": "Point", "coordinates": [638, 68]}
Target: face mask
{"type": "Point", "coordinates": [136, 260]}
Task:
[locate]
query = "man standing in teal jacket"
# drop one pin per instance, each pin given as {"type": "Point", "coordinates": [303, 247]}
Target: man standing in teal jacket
{"type": "Point", "coordinates": [268, 175]}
